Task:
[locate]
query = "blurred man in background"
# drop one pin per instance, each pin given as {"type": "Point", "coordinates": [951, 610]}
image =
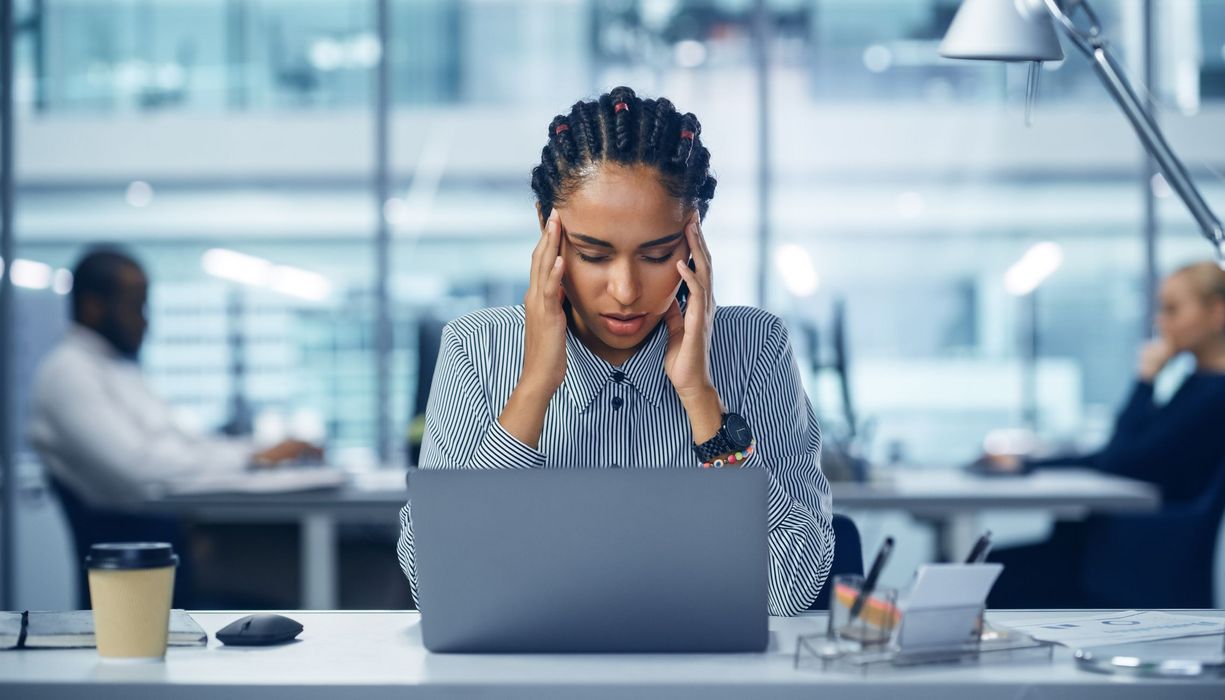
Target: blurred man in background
{"type": "Point", "coordinates": [107, 441]}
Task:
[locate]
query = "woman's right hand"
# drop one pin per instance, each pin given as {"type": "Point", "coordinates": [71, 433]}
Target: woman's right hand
{"type": "Point", "coordinates": [544, 341]}
{"type": "Point", "coordinates": [1154, 355]}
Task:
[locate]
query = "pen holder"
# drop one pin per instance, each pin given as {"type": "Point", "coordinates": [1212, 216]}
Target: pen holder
{"type": "Point", "coordinates": [877, 618]}
{"type": "Point", "coordinates": [940, 631]}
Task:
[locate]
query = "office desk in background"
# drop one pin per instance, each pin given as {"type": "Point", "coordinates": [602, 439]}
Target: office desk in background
{"type": "Point", "coordinates": [379, 655]}
{"type": "Point", "coordinates": [949, 500]}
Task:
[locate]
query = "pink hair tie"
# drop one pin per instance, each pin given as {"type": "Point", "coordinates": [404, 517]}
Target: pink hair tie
{"type": "Point", "coordinates": [686, 134]}
{"type": "Point", "coordinates": [560, 128]}
{"type": "Point", "coordinates": [620, 106]}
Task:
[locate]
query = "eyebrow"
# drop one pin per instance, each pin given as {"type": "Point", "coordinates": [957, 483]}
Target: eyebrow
{"type": "Point", "coordinates": [589, 240]}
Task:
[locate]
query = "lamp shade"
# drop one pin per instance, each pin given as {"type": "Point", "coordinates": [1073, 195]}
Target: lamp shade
{"type": "Point", "coordinates": [1002, 30]}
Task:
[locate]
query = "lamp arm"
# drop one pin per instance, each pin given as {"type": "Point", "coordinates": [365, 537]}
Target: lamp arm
{"type": "Point", "coordinates": [1112, 75]}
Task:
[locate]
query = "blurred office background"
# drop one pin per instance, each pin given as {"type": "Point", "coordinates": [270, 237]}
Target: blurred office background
{"type": "Point", "coordinates": [234, 146]}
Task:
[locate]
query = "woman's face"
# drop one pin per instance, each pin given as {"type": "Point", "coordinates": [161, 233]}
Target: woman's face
{"type": "Point", "coordinates": [1186, 319]}
{"type": "Point", "coordinates": [622, 234]}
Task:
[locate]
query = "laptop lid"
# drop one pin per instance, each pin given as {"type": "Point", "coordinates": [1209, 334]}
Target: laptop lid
{"type": "Point", "coordinates": [591, 560]}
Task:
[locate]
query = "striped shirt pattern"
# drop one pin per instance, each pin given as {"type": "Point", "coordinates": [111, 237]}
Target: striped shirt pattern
{"type": "Point", "coordinates": [630, 416]}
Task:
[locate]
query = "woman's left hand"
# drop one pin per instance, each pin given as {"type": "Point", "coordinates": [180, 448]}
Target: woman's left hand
{"type": "Point", "coordinates": [687, 359]}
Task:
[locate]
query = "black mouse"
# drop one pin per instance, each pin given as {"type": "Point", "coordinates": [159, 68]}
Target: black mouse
{"type": "Point", "coordinates": [259, 630]}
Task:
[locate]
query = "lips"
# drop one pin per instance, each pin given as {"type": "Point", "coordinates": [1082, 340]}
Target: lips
{"type": "Point", "coordinates": [623, 324]}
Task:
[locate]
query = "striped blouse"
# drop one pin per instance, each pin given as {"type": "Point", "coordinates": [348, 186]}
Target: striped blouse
{"type": "Point", "coordinates": [630, 416]}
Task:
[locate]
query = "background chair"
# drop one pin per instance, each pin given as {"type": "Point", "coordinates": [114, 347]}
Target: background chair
{"type": "Point", "coordinates": [848, 557]}
{"type": "Point", "coordinates": [1155, 560]}
{"type": "Point", "coordinates": [91, 525]}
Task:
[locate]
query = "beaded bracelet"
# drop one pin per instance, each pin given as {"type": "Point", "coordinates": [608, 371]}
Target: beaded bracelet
{"type": "Point", "coordinates": [732, 458]}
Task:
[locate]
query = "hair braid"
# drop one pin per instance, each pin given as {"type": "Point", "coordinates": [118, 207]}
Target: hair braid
{"type": "Point", "coordinates": [621, 127]}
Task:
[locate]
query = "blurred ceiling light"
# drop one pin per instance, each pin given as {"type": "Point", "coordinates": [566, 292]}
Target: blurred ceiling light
{"type": "Point", "coordinates": [170, 76]}
{"type": "Point", "coordinates": [303, 284]}
{"type": "Point", "coordinates": [131, 76]}
{"type": "Point", "coordinates": [689, 53]}
{"type": "Point", "coordinates": [656, 14]}
{"type": "Point", "coordinates": [258, 272]}
{"type": "Point", "coordinates": [795, 265]}
{"type": "Point", "coordinates": [62, 282]}
{"type": "Point", "coordinates": [1161, 188]}
{"type": "Point", "coordinates": [1038, 263]}
{"type": "Point", "coordinates": [910, 205]}
{"type": "Point", "coordinates": [1187, 86]}
{"type": "Point", "coordinates": [139, 193]}
{"type": "Point", "coordinates": [364, 51]}
{"type": "Point", "coordinates": [395, 210]}
{"type": "Point", "coordinates": [236, 267]}
{"type": "Point", "coordinates": [877, 58]}
{"type": "Point", "coordinates": [31, 274]}
{"type": "Point", "coordinates": [326, 55]}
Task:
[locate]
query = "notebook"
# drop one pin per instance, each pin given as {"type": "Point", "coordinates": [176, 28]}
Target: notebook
{"type": "Point", "coordinates": [75, 628]}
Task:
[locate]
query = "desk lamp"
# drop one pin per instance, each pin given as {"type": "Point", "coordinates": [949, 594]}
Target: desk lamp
{"type": "Point", "coordinates": [1024, 30]}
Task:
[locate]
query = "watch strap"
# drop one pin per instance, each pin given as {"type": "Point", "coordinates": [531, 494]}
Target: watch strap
{"type": "Point", "coordinates": [718, 446]}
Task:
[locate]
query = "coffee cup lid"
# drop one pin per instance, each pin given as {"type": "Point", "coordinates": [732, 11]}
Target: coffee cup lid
{"type": "Point", "coordinates": [131, 555]}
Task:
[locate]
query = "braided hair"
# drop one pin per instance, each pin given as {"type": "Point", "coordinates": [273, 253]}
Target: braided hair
{"type": "Point", "coordinates": [622, 128]}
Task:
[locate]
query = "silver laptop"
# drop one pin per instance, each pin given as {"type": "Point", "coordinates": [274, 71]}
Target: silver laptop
{"type": "Point", "coordinates": [591, 560]}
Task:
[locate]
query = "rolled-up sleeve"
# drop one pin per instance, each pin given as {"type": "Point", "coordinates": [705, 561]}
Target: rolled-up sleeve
{"type": "Point", "coordinates": [461, 432]}
{"type": "Point", "coordinates": [801, 535]}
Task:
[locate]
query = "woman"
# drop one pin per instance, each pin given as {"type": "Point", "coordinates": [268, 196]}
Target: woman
{"type": "Point", "coordinates": [618, 355]}
{"type": "Point", "coordinates": [1177, 446]}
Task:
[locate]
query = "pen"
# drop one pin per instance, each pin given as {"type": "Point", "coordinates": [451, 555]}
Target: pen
{"type": "Point", "coordinates": [869, 583]}
{"type": "Point", "coordinates": [979, 551]}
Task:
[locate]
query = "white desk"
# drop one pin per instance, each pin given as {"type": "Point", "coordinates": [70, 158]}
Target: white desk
{"type": "Point", "coordinates": [356, 655]}
{"type": "Point", "coordinates": [949, 500]}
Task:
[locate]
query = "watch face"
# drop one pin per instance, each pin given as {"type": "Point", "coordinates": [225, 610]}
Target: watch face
{"type": "Point", "coordinates": [738, 431]}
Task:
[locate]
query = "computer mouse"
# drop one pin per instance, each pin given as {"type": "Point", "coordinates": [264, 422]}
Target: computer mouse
{"type": "Point", "coordinates": [259, 630]}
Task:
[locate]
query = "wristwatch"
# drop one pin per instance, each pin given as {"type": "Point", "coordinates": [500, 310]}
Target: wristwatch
{"type": "Point", "coordinates": [734, 436]}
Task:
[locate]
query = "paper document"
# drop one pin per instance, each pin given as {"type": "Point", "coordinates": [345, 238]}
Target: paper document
{"type": "Point", "coordinates": [264, 481]}
{"type": "Point", "coordinates": [1119, 628]}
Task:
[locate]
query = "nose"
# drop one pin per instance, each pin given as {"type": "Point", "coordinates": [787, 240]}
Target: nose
{"type": "Point", "coordinates": [623, 283]}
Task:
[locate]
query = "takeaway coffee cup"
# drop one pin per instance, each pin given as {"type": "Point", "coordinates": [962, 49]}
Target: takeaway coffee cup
{"type": "Point", "coordinates": [130, 588]}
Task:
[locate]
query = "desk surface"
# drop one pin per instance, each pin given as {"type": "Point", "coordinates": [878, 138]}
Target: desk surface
{"type": "Point", "coordinates": [922, 492]}
{"type": "Point", "coordinates": [379, 655]}
{"type": "Point", "coordinates": [1072, 491]}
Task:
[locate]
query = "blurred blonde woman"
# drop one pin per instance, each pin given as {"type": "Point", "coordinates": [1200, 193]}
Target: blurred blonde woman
{"type": "Point", "coordinates": [1178, 446]}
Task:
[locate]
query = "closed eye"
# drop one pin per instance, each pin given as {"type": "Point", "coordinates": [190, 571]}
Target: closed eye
{"type": "Point", "coordinates": [661, 259]}
{"type": "Point", "coordinates": [649, 258]}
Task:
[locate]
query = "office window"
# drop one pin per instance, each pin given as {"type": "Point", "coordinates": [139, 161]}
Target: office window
{"type": "Point", "coordinates": [218, 142]}
{"type": "Point", "coordinates": [912, 185]}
